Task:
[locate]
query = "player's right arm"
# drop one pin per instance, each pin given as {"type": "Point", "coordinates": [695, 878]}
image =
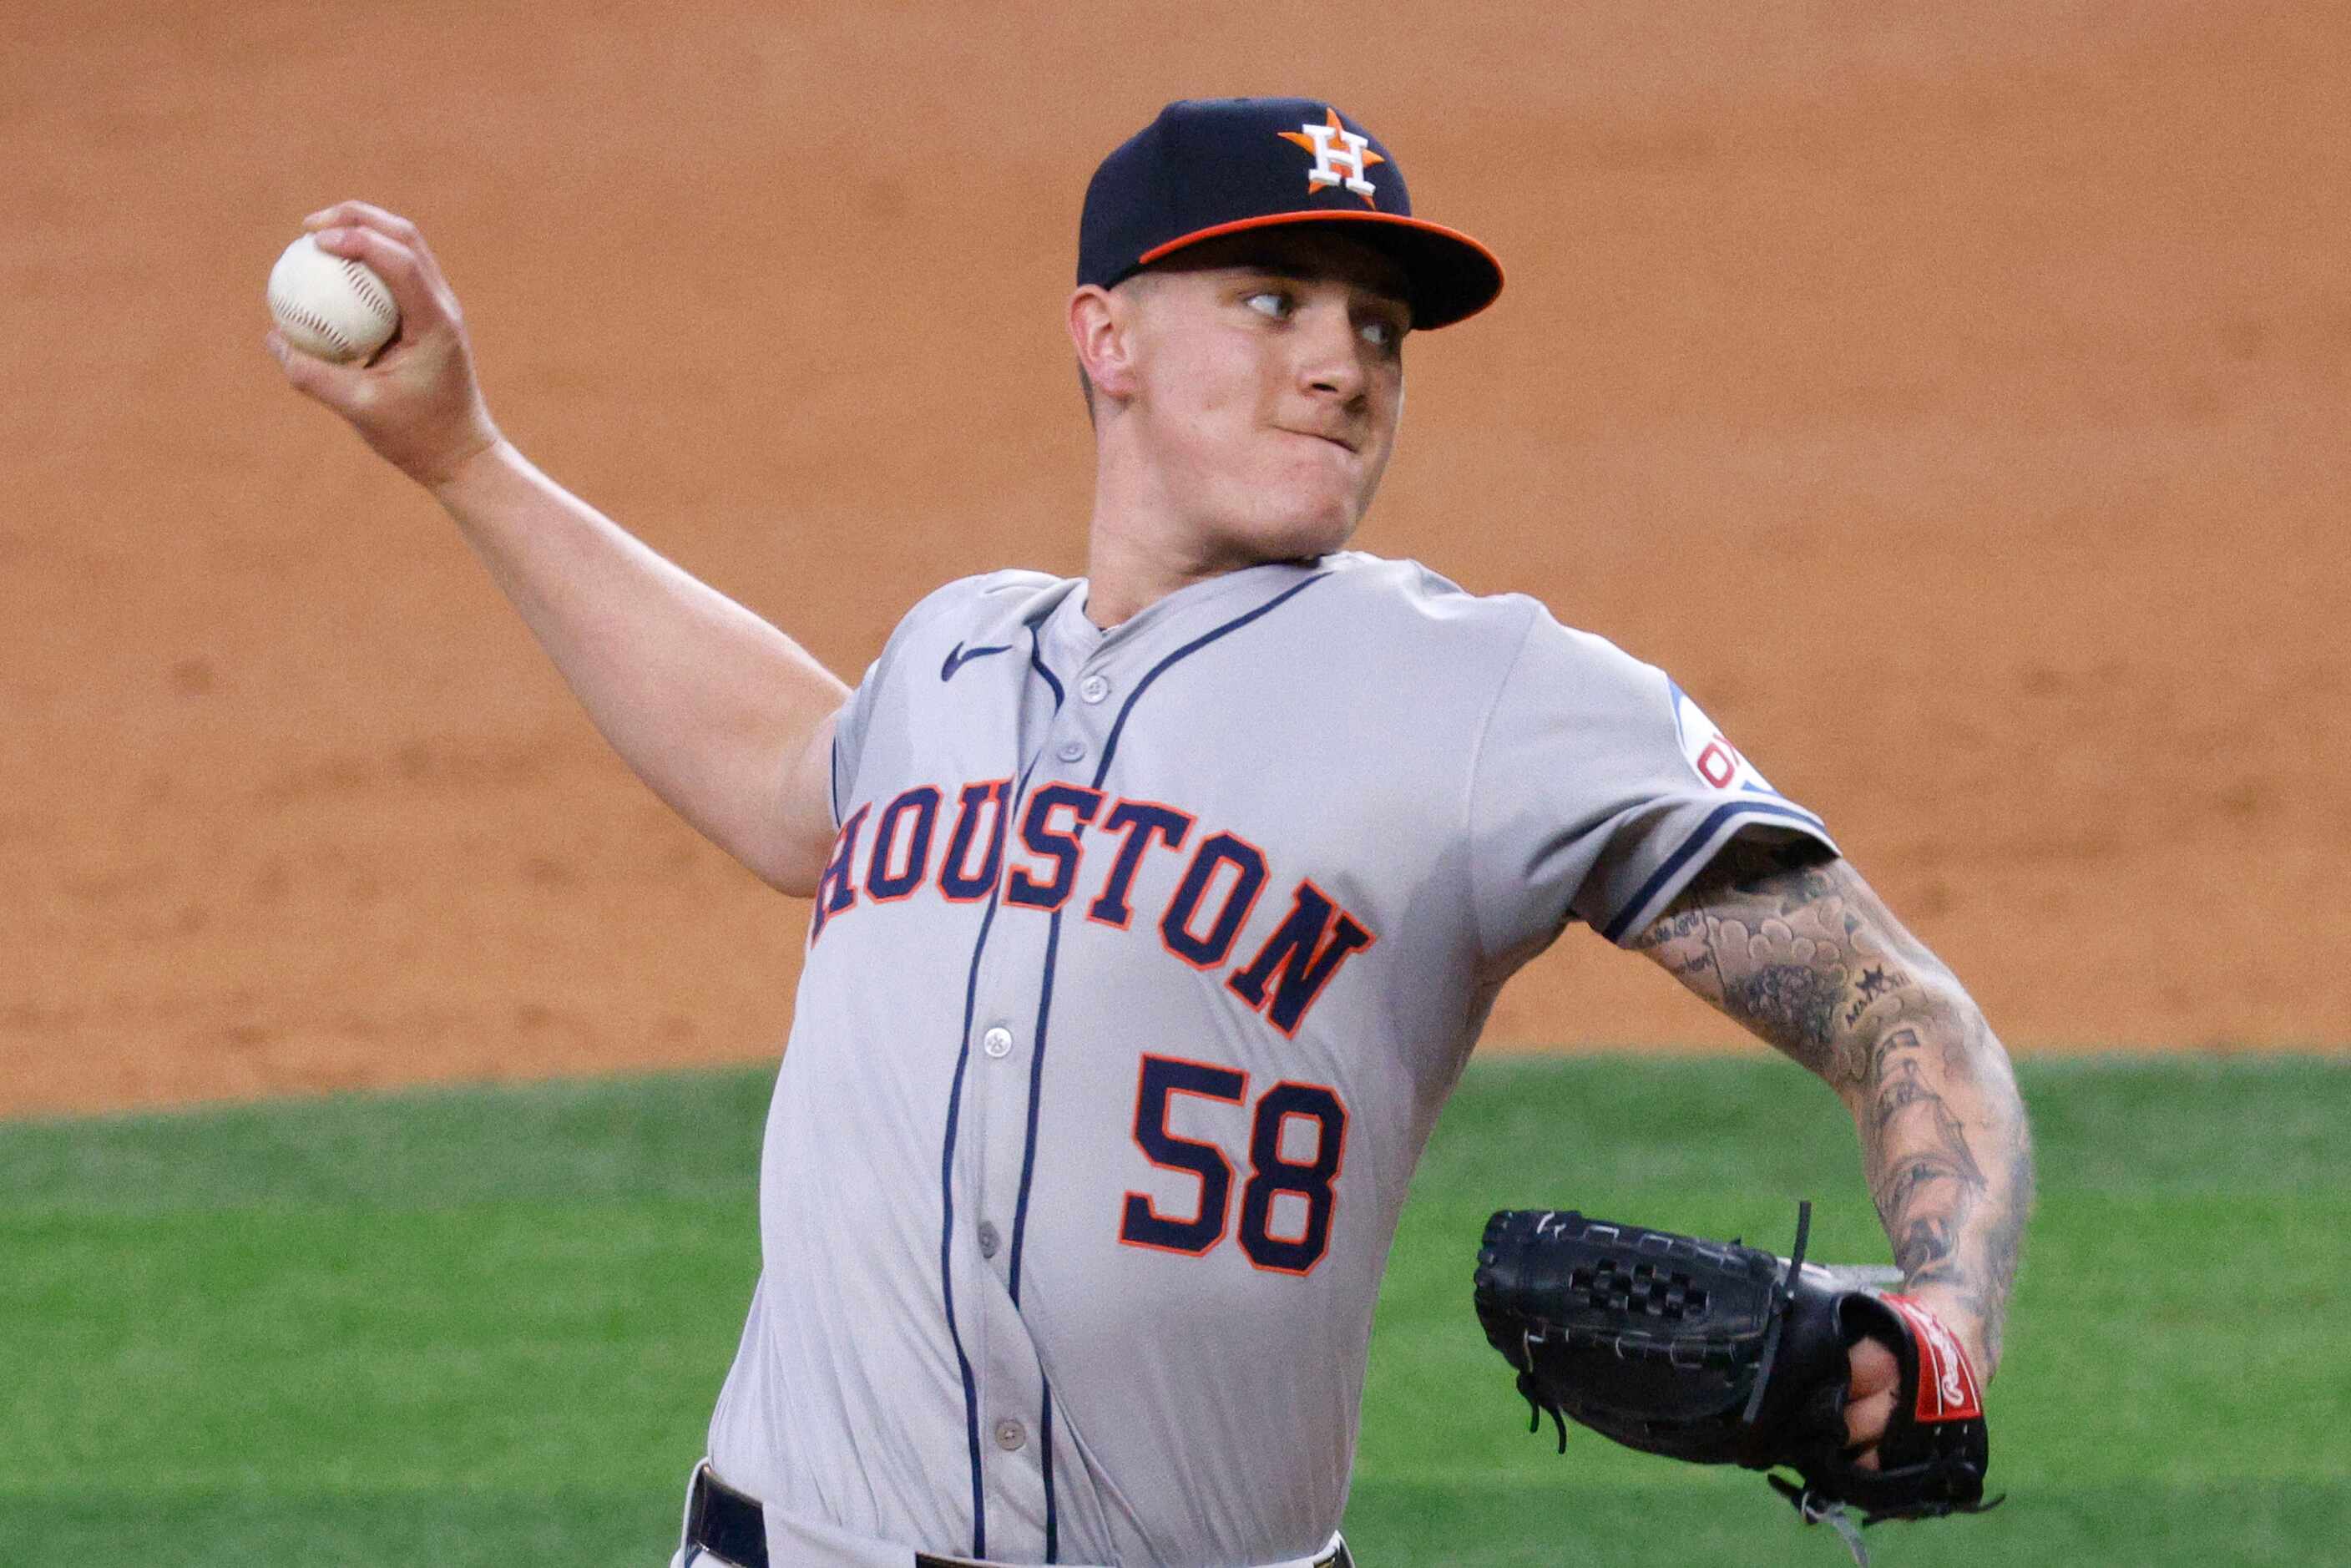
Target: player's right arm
{"type": "Point", "coordinates": [726, 718]}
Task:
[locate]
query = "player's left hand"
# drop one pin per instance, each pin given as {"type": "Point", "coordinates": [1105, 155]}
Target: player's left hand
{"type": "Point", "coordinates": [1869, 1398]}
{"type": "Point", "coordinates": [1869, 1395]}
{"type": "Point", "coordinates": [1754, 1377]}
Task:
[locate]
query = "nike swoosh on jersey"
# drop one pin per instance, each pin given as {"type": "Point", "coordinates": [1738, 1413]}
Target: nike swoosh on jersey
{"type": "Point", "coordinates": [956, 658]}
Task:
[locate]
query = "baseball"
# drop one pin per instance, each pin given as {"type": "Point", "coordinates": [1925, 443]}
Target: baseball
{"type": "Point", "coordinates": [329, 305]}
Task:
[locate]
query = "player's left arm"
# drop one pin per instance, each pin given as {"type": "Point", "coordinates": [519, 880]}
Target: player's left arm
{"type": "Point", "coordinates": [1789, 940]}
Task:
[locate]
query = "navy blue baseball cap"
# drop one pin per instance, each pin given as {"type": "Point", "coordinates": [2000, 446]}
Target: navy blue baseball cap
{"type": "Point", "coordinates": [1215, 166]}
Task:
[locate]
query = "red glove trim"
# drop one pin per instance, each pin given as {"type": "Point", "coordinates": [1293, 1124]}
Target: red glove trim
{"type": "Point", "coordinates": [1947, 1390]}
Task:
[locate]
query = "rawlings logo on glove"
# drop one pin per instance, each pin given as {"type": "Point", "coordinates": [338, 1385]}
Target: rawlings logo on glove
{"type": "Point", "coordinates": [1719, 1353]}
{"type": "Point", "coordinates": [1947, 1387]}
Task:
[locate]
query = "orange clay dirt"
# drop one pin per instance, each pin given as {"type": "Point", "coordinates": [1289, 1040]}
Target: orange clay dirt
{"type": "Point", "coordinates": [1953, 398]}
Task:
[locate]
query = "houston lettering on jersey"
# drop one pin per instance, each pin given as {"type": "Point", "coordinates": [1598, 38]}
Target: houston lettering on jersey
{"type": "Point", "coordinates": [1072, 843]}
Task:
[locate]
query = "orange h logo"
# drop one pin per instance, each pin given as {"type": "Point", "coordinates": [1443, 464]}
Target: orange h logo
{"type": "Point", "coordinates": [1341, 156]}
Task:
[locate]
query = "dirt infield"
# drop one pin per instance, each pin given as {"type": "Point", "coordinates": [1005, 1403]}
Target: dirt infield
{"type": "Point", "coordinates": [1953, 398]}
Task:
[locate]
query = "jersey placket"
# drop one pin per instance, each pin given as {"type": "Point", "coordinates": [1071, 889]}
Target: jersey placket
{"type": "Point", "coordinates": [1002, 1113]}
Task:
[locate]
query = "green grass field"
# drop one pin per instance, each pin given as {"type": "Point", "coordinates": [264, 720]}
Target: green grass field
{"type": "Point", "coordinates": [485, 1326]}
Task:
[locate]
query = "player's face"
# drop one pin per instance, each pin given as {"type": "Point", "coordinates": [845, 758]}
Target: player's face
{"type": "Point", "coordinates": [1269, 377]}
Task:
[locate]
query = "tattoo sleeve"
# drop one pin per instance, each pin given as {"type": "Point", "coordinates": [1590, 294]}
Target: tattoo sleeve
{"type": "Point", "coordinates": [1796, 947]}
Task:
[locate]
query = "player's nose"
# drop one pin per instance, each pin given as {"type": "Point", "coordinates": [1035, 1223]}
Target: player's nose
{"type": "Point", "coordinates": [1331, 354]}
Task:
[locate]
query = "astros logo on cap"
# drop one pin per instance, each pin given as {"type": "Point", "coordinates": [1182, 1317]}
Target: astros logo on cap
{"type": "Point", "coordinates": [1352, 153]}
{"type": "Point", "coordinates": [1206, 168]}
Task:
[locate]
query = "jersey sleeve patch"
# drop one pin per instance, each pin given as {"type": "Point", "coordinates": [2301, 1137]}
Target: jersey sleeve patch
{"type": "Point", "coordinates": [1719, 764]}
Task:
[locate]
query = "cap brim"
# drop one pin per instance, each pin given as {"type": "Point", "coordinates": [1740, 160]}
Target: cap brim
{"type": "Point", "coordinates": [1451, 276]}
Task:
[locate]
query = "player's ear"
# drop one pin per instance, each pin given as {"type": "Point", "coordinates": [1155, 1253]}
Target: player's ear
{"type": "Point", "coordinates": [1101, 329]}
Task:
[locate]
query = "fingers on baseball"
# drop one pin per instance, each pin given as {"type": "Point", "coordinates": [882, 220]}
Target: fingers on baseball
{"type": "Point", "coordinates": [372, 219]}
{"type": "Point", "coordinates": [363, 231]}
{"type": "Point", "coordinates": [367, 215]}
{"type": "Point", "coordinates": [415, 284]}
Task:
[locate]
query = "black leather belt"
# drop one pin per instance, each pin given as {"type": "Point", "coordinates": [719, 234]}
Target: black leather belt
{"type": "Point", "coordinates": [1337, 1557]}
{"type": "Point", "coordinates": [727, 1525]}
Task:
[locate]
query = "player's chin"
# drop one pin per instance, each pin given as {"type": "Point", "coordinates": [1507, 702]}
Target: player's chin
{"type": "Point", "coordinates": [1293, 534]}
{"type": "Point", "coordinates": [1311, 519]}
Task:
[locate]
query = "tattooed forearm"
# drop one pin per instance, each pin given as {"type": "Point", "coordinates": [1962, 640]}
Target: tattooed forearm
{"type": "Point", "coordinates": [1798, 949]}
{"type": "Point", "coordinates": [1921, 1173]}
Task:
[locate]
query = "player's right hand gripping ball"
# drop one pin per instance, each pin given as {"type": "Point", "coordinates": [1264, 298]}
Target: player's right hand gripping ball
{"type": "Point", "coordinates": [1718, 1353]}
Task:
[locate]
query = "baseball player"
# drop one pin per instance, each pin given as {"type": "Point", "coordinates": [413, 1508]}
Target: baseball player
{"type": "Point", "coordinates": [1157, 911]}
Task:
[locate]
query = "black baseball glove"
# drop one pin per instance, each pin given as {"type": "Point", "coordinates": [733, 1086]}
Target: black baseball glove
{"type": "Point", "coordinates": [1719, 1353]}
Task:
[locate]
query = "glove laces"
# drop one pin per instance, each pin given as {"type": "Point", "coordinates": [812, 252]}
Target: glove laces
{"type": "Point", "coordinates": [1780, 1318]}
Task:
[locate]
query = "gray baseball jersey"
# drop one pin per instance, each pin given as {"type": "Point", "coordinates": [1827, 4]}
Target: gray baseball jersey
{"type": "Point", "coordinates": [1143, 964]}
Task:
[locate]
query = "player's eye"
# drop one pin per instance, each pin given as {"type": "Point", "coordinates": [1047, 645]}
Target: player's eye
{"type": "Point", "coordinates": [1274, 302]}
{"type": "Point", "coordinates": [1383, 335]}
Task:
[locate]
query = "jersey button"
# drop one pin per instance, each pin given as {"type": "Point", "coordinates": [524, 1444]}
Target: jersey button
{"type": "Point", "coordinates": [997, 1041]}
{"type": "Point", "coordinates": [1009, 1435]}
{"type": "Point", "coordinates": [1070, 750]}
{"type": "Point", "coordinates": [1093, 688]}
{"type": "Point", "coordinates": [990, 1241]}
